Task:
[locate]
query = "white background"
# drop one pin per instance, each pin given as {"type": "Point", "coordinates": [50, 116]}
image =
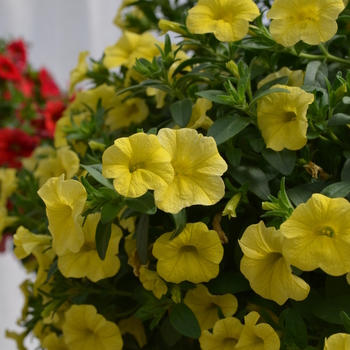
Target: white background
{"type": "Point", "coordinates": [57, 31]}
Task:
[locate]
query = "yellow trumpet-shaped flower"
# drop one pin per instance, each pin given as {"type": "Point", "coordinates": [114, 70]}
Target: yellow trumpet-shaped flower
{"type": "Point", "coordinates": [134, 326]}
{"type": "Point", "coordinates": [86, 329]}
{"type": "Point", "coordinates": [205, 305]}
{"type": "Point", "coordinates": [198, 168]}
{"type": "Point", "coordinates": [86, 262]}
{"type": "Point", "coordinates": [137, 163]}
{"type": "Point", "coordinates": [227, 19]}
{"type": "Point", "coordinates": [296, 77]}
{"type": "Point", "coordinates": [282, 118]}
{"type": "Point", "coordinates": [151, 281]}
{"type": "Point", "coordinates": [318, 235]}
{"type": "Point", "coordinates": [339, 341]}
{"type": "Point", "coordinates": [199, 119]}
{"type": "Point", "coordinates": [194, 255]}
{"type": "Point", "coordinates": [226, 333]}
{"type": "Point", "coordinates": [25, 242]}
{"type": "Point", "coordinates": [231, 206]}
{"type": "Point", "coordinates": [310, 21]}
{"type": "Point", "coordinates": [64, 200]}
{"type": "Point", "coordinates": [257, 336]}
{"type": "Point", "coordinates": [53, 342]}
{"type": "Point", "coordinates": [263, 264]}
{"type": "Point", "coordinates": [79, 72]}
{"type": "Point", "coordinates": [8, 184]}
{"type": "Point", "coordinates": [5, 220]}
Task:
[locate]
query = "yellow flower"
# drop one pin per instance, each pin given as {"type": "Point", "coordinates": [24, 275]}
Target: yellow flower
{"type": "Point", "coordinates": [8, 184]}
{"type": "Point", "coordinates": [165, 25]}
{"type": "Point", "coordinates": [282, 118]}
{"type": "Point", "coordinates": [122, 17]}
{"type": "Point", "coordinates": [19, 338]}
{"type": "Point", "coordinates": [225, 335]}
{"type": "Point", "coordinates": [231, 206]}
{"type": "Point", "coordinates": [26, 241]}
{"type": "Point", "coordinates": [310, 21]}
{"type": "Point", "coordinates": [39, 153]}
{"type": "Point", "coordinates": [86, 329]}
{"type": "Point", "coordinates": [129, 47]}
{"type": "Point", "coordinates": [296, 77]}
{"type": "Point", "coordinates": [5, 220]}
{"type": "Point", "coordinates": [227, 19]}
{"type": "Point", "coordinates": [64, 161]}
{"type": "Point", "coordinates": [86, 262]}
{"type": "Point", "coordinates": [53, 342]}
{"type": "Point", "coordinates": [339, 341]}
{"type": "Point", "coordinates": [318, 235]}
{"type": "Point", "coordinates": [198, 168]}
{"type": "Point", "coordinates": [194, 255]}
{"type": "Point", "coordinates": [205, 305]}
{"type": "Point", "coordinates": [199, 119]}
{"type": "Point", "coordinates": [64, 202]}
{"type": "Point", "coordinates": [151, 281]}
{"type": "Point", "coordinates": [130, 244]}
{"type": "Point", "coordinates": [26, 294]}
{"type": "Point", "coordinates": [257, 337]}
{"type": "Point", "coordinates": [79, 72]}
{"type": "Point", "coordinates": [263, 264]}
{"type": "Point", "coordinates": [137, 163]}
{"type": "Point", "coordinates": [134, 326]}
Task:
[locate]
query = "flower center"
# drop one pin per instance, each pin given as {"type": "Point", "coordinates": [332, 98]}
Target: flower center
{"type": "Point", "coordinates": [229, 343]}
{"type": "Point", "coordinates": [290, 116]}
{"type": "Point", "coordinates": [135, 166]}
{"type": "Point", "coordinates": [326, 231]}
{"type": "Point", "coordinates": [189, 248]}
{"type": "Point", "coordinates": [307, 13]}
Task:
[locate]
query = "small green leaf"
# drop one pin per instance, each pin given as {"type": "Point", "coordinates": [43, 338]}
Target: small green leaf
{"type": "Point", "coordinates": [225, 128]}
{"type": "Point", "coordinates": [96, 172]}
{"type": "Point", "coordinates": [266, 92]}
{"type": "Point", "coordinates": [52, 270]}
{"type": "Point", "coordinates": [142, 238]}
{"type": "Point", "coordinates": [337, 190]}
{"type": "Point", "coordinates": [295, 329]}
{"type": "Point", "coordinates": [181, 112]}
{"type": "Point", "coordinates": [267, 86]}
{"type": "Point", "coordinates": [345, 173]}
{"type": "Point", "coordinates": [169, 334]}
{"type": "Point", "coordinates": [144, 204]}
{"type": "Point", "coordinates": [315, 73]}
{"type": "Point", "coordinates": [110, 211]}
{"type": "Point", "coordinates": [229, 282]}
{"type": "Point", "coordinates": [103, 235]}
{"type": "Point", "coordinates": [184, 321]}
{"type": "Point", "coordinates": [345, 320]}
{"type": "Point", "coordinates": [339, 119]}
{"type": "Point", "coordinates": [283, 161]}
{"type": "Point", "coordinates": [180, 220]}
{"type": "Point", "coordinates": [329, 309]}
{"type": "Point", "coordinates": [234, 156]}
{"type": "Point", "coordinates": [213, 95]}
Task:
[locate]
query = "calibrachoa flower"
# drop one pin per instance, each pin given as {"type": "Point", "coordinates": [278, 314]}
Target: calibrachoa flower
{"type": "Point", "coordinates": [52, 113]}
{"type": "Point", "coordinates": [198, 168]}
{"type": "Point", "coordinates": [79, 72]}
{"type": "Point", "coordinates": [64, 200]}
{"type": "Point", "coordinates": [231, 206]}
{"type": "Point", "coordinates": [310, 21]}
{"type": "Point", "coordinates": [8, 71]}
{"type": "Point", "coordinates": [8, 184]}
{"type": "Point", "coordinates": [48, 87]}
{"type": "Point", "coordinates": [205, 305]}
{"type": "Point", "coordinates": [151, 281]}
{"type": "Point", "coordinates": [263, 264]}
{"type": "Point", "coordinates": [18, 53]}
{"type": "Point", "coordinates": [137, 163]}
{"type": "Point", "coordinates": [86, 329]}
{"type": "Point", "coordinates": [194, 255]}
{"type": "Point", "coordinates": [5, 220]}
{"type": "Point", "coordinates": [53, 342]}
{"type": "Point", "coordinates": [257, 336]}
{"type": "Point", "coordinates": [134, 326]}
{"type": "Point", "coordinates": [282, 118]}
{"type": "Point", "coordinates": [226, 333]}
{"type": "Point", "coordinates": [296, 77]}
{"type": "Point", "coordinates": [199, 119]}
{"type": "Point", "coordinates": [318, 235]}
{"type": "Point", "coordinates": [339, 341]}
{"type": "Point", "coordinates": [227, 19]}
{"type": "Point", "coordinates": [86, 262]}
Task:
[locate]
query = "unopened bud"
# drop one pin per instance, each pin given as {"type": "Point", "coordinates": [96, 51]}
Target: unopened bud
{"type": "Point", "coordinates": [233, 68]}
{"type": "Point", "coordinates": [165, 26]}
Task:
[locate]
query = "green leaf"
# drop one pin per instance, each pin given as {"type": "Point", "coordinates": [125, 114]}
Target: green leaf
{"type": "Point", "coordinates": [295, 329]}
{"type": "Point", "coordinates": [225, 128]}
{"type": "Point", "coordinates": [345, 173]}
{"type": "Point", "coordinates": [234, 156]}
{"type": "Point", "coordinates": [184, 321]}
{"type": "Point", "coordinates": [110, 211]}
{"type": "Point", "coordinates": [96, 172]}
{"type": "Point", "coordinates": [266, 92]}
{"type": "Point", "coordinates": [345, 320]}
{"type": "Point", "coordinates": [144, 204]}
{"type": "Point", "coordinates": [193, 61]}
{"type": "Point", "coordinates": [315, 73]}
{"type": "Point", "coordinates": [339, 119]}
{"type": "Point", "coordinates": [337, 190]}
{"type": "Point", "coordinates": [329, 309]}
{"type": "Point", "coordinates": [229, 282]}
{"type": "Point", "coordinates": [180, 220]}
{"type": "Point", "coordinates": [283, 161]}
{"type": "Point", "coordinates": [258, 183]}
{"type": "Point", "coordinates": [103, 235]}
{"type": "Point", "coordinates": [302, 193]}
{"type": "Point", "coordinates": [142, 238]}
{"type": "Point", "coordinates": [181, 112]}
{"type": "Point", "coordinates": [169, 334]}
{"type": "Point", "coordinates": [213, 95]}
{"type": "Point", "coordinates": [267, 86]}
{"type": "Point", "coordinates": [52, 270]}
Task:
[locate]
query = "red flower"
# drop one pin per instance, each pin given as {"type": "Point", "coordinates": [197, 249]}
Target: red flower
{"type": "Point", "coordinates": [48, 87]}
{"type": "Point", "coordinates": [8, 71]}
{"type": "Point", "coordinates": [26, 87]}
{"type": "Point", "coordinates": [14, 145]}
{"type": "Point", "coordinates": [52, 113]}
{"type": "Point", "coordinates": [18, 53]}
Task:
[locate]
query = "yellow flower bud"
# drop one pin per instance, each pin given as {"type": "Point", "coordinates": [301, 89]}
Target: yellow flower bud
{"type": "Point", "coordinates": [165, 26]}
{"type": "Point", "coordinates": [233, 68]}
{"type": "Point", "coordinates": [231, 206]}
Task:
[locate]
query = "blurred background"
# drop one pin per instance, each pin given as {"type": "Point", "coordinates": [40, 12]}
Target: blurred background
{"type": "Point", "coordinates": [56, 32]}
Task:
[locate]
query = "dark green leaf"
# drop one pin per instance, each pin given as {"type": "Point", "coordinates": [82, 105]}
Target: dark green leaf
{"type": "Point", "coordinates": [181, 112]}
{"type": "Point", "coordinates": [345, 320]}
{"type": "Point", "coordinates": [345, 173]}
{"type": "Point", "coordinates": [267, 86]}
{"type": "Point", "coordinates": [184, 321]}
{"type": "Point", "coordinates": [144, 204]}
{"type": "Point", "coordinates": [103, 235]}
{"type": "Point", "coordinates": [229, 282]}
{"type": "Point", "coordinates": [52, 270]}
{"type": "Point", "coordinates": [96, 172]}
{"type": "Point", "coordinates": [339, 119]}
{"type": "Point", "coordinates": [302, 193]}
{"type": "Point", "coordinates": [282, 161]}
{"type": "Point", "coordinates": [225, 128]}
{"type": "Point", "coordinates": [315, 73]}
{"type": "Point", "coordinates": [169, 334]}
{"type": "Point", "coordinates": [213, 95]}
{"type": "Point", "coordinates": [257, 180]}
{"type": "Point", "coordinates": [110, 211]}
{"type": "Point", "coordinates": [180, 220]}
{"type": "Point", "coordinates": [295, 328]}
{"type": "Point", "coordinates": [234, 156]}
{"type": "Point", "coordinates": [337, 190]}
{"type": "Point", "coordinates": [142, 238]}
{"type": "Point", "coordinates": [329, 309]}
{"type": "Point", "coordinates": [267, 92]}
{"type": "Point", "coordinates": [193, 61]}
